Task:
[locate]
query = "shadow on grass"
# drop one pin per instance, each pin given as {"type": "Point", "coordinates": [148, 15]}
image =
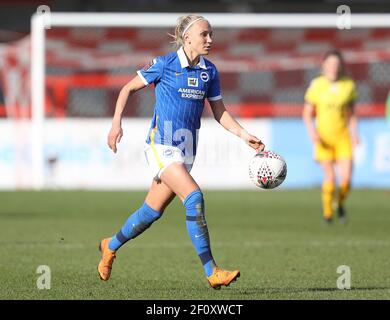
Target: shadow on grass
{"type": "Point", "coordinates": [352, 289]}
{"type": "Point", "coordinates": [250, 291]}
{"type": "Point", "coordinates": [23, 215]}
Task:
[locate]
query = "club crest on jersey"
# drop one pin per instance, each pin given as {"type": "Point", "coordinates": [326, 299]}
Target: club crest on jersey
{"type": "Point", "coordinates": [168, 153]}
{"type": "Point", "coordinates": [204, 76]}
{"type": "Point", "coordinates": [192, 82]}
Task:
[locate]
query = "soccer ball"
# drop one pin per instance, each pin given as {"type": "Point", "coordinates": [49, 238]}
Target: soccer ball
{"type": "Point", "coordinates": [267, 169]}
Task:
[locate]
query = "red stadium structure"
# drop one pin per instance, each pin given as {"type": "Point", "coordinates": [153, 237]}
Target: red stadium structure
{"type": "Point", "coordinates": [264, 72]}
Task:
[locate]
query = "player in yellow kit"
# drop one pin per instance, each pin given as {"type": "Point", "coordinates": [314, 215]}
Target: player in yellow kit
{"type": "Point", "coordinates": [330, 100]}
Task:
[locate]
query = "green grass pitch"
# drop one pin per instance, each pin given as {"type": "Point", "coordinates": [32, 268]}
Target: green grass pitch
{"type": "Point", "coordinates": [276, 238]}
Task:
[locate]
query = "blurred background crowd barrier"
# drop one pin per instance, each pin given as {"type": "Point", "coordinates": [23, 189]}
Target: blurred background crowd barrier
{"type": "Point", "coordinates": [264, 75]}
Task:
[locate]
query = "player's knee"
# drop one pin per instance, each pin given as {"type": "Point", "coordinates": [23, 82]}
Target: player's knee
{"type": "Point", "coordinates": [329, 176]}
{"type": "Point", "coordinates": [194, 202]}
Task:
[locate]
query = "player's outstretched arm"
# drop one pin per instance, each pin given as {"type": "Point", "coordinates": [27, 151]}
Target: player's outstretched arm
{"type": "Point", "coordinates": [229, 123]}
{"type": "Point", "coordinates": [116, 132]}
{"type": "Point", "coordinates": [353, 124]}
{"type": "Point", "coordinates": [308, 116]}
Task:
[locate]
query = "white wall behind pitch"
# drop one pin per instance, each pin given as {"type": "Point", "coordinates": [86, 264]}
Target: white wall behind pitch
{"type": "Point", "coordinates": [77, 156]}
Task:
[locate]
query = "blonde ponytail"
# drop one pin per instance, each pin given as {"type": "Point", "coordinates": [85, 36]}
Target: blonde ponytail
{"type": "Point", "coordinates": [184, 23]}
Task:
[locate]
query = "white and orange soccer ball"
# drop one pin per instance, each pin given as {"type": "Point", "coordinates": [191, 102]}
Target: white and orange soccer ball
{"type": "Point", "coordinates": [267, 169]}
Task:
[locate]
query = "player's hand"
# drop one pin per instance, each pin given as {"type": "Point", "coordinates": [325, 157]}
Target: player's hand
{"type": "Point", "coordinates": [114, 136]}
{"type": "Point", "coordinates": [355, 140]}
{"type": "Point", "coordinates": [255, 143]}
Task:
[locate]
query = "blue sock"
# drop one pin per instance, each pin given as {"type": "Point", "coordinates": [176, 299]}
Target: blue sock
{"type": "Point", "coordinates": [197, 229]}
{"type": "Point", "coordinates": [137, 223]}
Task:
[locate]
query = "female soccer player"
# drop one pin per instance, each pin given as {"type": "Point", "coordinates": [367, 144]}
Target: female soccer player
{"type": "Point", "coordinates": [330, 99]}
{"type": "Point", "coordinates": [182, 81]}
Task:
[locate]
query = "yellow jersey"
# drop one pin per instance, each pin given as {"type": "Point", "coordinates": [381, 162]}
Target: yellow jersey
{"type": "Point", "coordinates": [331, 101]}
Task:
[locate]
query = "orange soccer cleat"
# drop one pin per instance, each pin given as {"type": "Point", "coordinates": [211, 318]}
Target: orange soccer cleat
{"type": "Point", "coordinates": [108, 256]}
{"type": "Point", "coordinates": [222, 277]}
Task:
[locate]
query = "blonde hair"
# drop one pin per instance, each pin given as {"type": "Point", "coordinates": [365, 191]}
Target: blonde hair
{"type": "Point", "coordinates": [182, 26]}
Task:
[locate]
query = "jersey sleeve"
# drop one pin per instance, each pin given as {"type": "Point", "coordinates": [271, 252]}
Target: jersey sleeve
{"type": "Point", "coordinates": [311, 93]}
{"type": "Point", "coordinates": [152, 72]}
{"type": "Point", "coordinates": [214, 91]}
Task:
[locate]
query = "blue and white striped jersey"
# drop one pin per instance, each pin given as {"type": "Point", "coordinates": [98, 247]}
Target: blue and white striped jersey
{"type": "Point", "coordinates": [180, 95]}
